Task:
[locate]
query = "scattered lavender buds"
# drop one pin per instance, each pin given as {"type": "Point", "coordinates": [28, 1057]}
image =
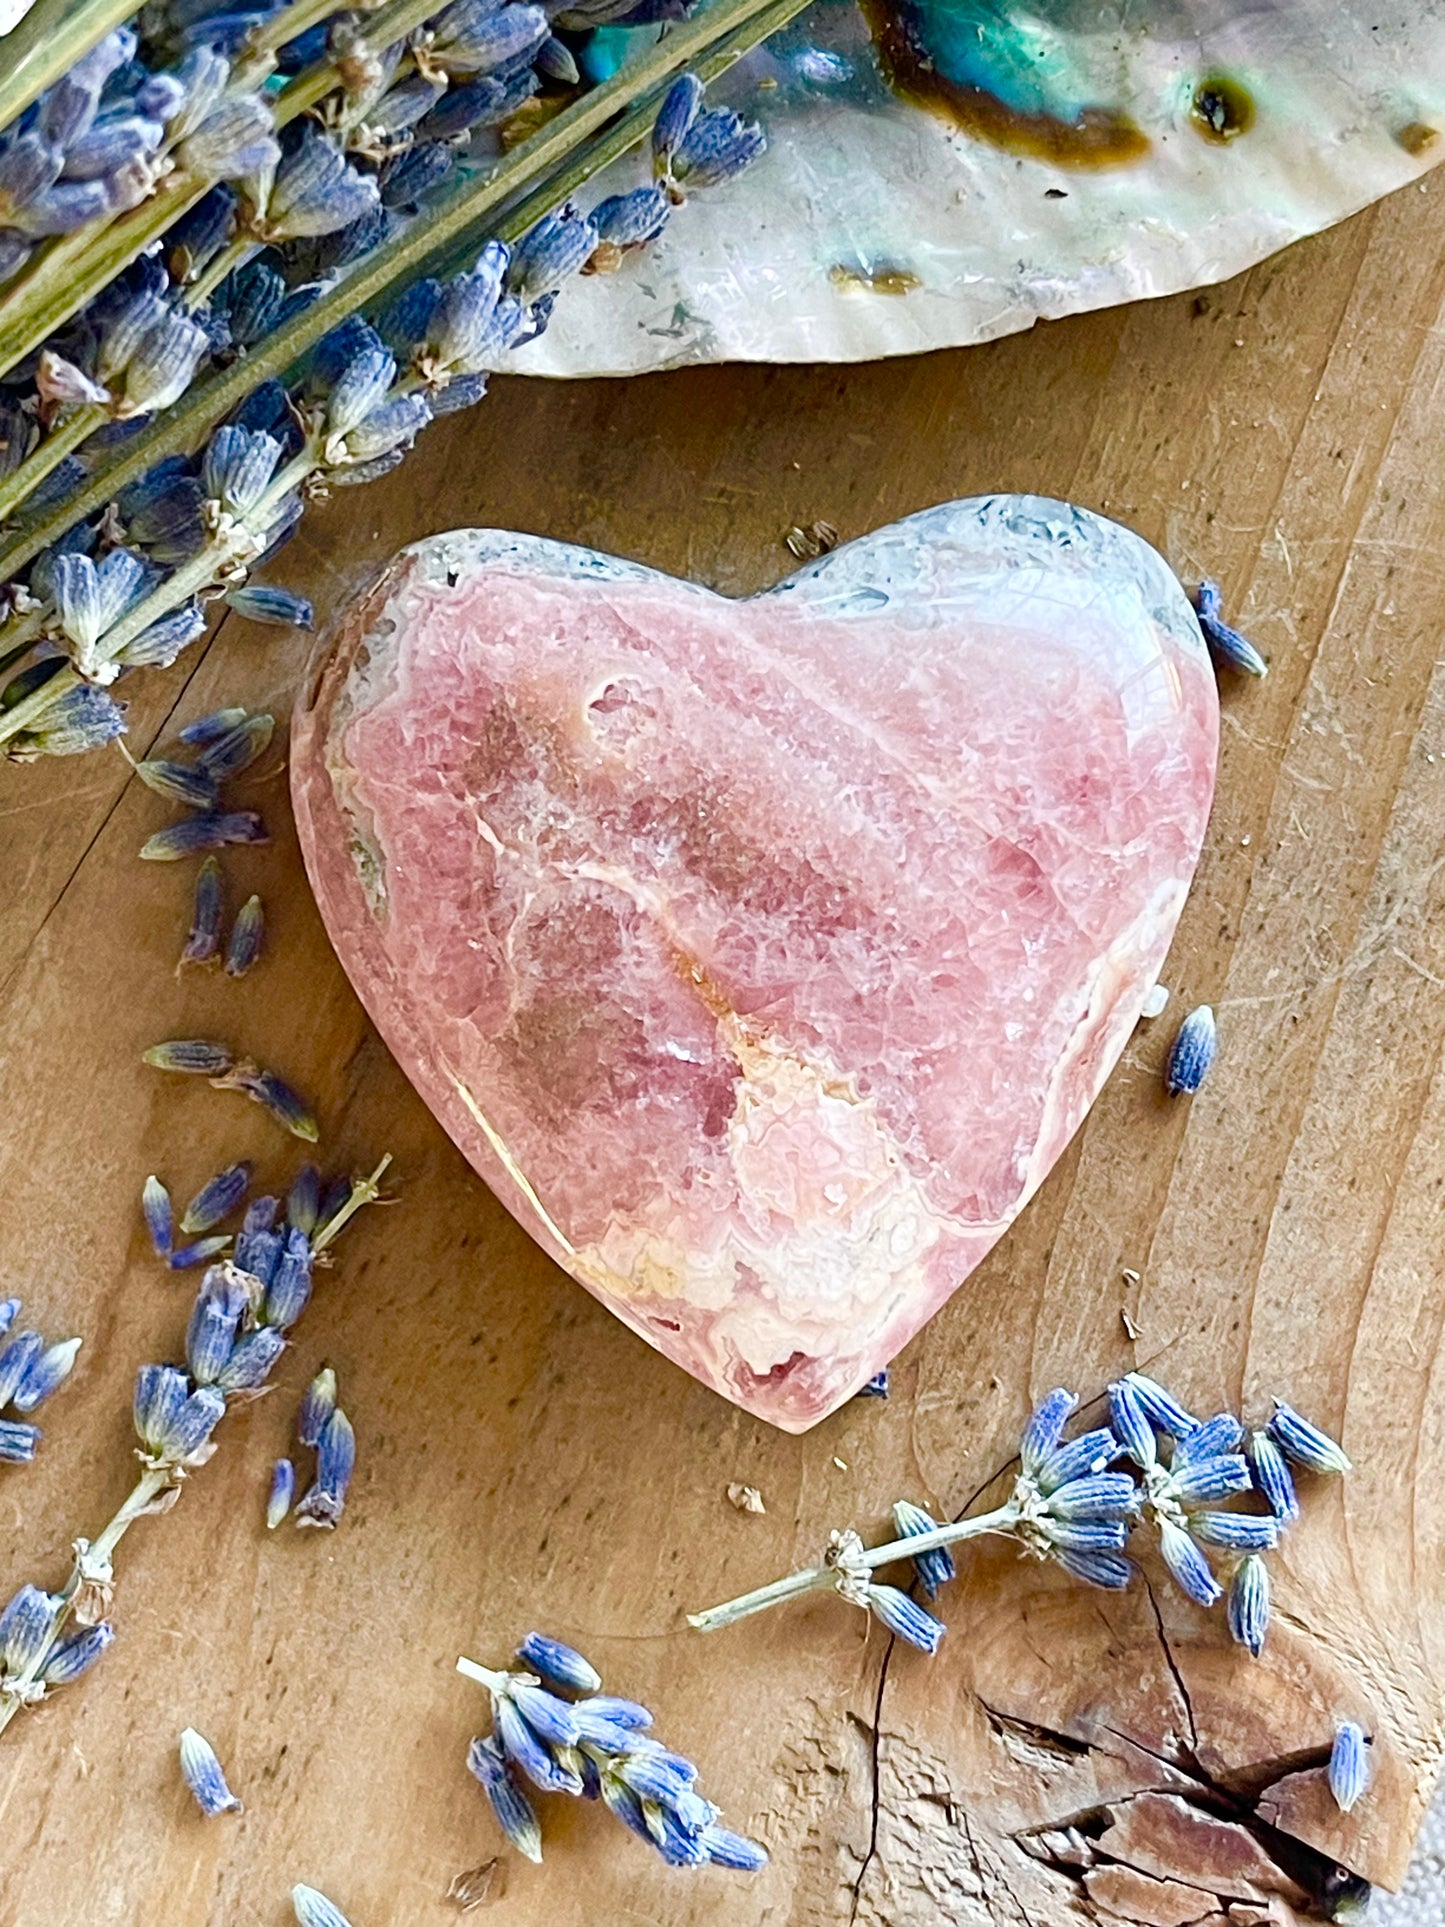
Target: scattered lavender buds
{"type": "Point", "coordinates": [217, 1199]}
{"type": "Point", "coordinates": [1192, 1053]}
{"type": "Point", "coordinates": [248, 933]}
{"type": "Point", "coordinates": [325, 1502]}
{"type": "Point", "coordinates": [1077, 1502]}
{"type": "Point", "coordinates": [1349, 1765]}
{"type": "Point", "coordinates": [204, 1775]}
{"type": "Point", "coordinates": [1227, 643]}
{"type": "Point", "coordinates": [233, 1342]}
{"type": "Point", "coordinates": [203, 1057]}
{"type": "Point", "coordinates": [599, 1748]}
{"type": "Point", "coordinates": [207, 830]}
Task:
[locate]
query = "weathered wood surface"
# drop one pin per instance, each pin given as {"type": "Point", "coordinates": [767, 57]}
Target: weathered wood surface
{"type": "Point", "coordinates": [525, 1460]}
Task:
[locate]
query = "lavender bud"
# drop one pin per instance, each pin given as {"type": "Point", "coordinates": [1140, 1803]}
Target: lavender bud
{"type": "Point", "coordinates": [199, 1253]}
{"type": "Point", "coordinates": [1235, 1531]}
{"type": "Point", "coordinates": [258, 1252]}
{"type": "Point", "coordinates": [934, 1568]}
{"type": "Point", "coordinates": [1192, 1052]}
{"type": "Point", "coordinates": [551, 251]}
{"type": "Point", "coordinates": [561, 1664]}
{"type": "Point", "coordinates": [1105, 1495]}
{"type": "Point", "coordinates": [238, 465]}
{"type": "Point", "coordinates": [678, 1837]}
{"type": "Point", "coordinates": [1248, 1604]}
{"type": "Point", "coordinates": [1097, 1569]}
{"type": "Point", "coordinates": [522, 1746]}
{"type": "Point", "coordinates": [160, 1393]}
{"type": "Point", "coordinates": [457, 330]}
{"type": "Point", "coordinates": [155, 1203]}
{"type": "Point", "coordinates": [75, 585]}
{"type": "Point", "coordinates": [1087, 1535]}
{"type": "Point", "coordinates": [283, 1490]}
{"type": "Point", "coordinates": [313, 1909]}
{"type": "Point", "coordinates": [618, 1712]}
{"type": "Point", "coordinates": [289, 1290]}
{"type": "Point", "coordinates": [555, 61]}
{"type": "Point", "coordinates": [211, 727]}
{"type": "Point", "coordinates": [18, 1442]}
{"type": "Point", "coordinates": [625, 1806]}
{"type": "Point", "coordinates": [603, 1736]}
{"type": "Point", "coordinates": [247, 935]}
{"type": "Point", "coordinates": [15, 1361]}
{"type": "Point", "coordinates": [661, 1777]}
{"type": "Point", "coordinates": [73, 1655]}
{"type": "Point", "coordinates": [160, 370]}
{"type": "Point", "coordinates": [356, 474]}
{"type": "Point", "coordinates": [674, 121]}
{"type": "Point", "coordinates": [178, 783]}
{"type": "Point", "coordinates": [197, 1056]}
{"type": "Point", "coordinates": [1187, 1564]}
{"type": "Point", "coordinates": [29, 165]}
{"type": "Point", "coordinates": [45, 1374]}
{"type": "Point", "coordinates": [207, 830]}
{"type": "Point", "coordinates": [476, 36]}
{"type": "Point", "coordinates": [280, 608]}
{"type": "Point", "coordinates": [82, 719]}
{"type": "Point", "coordinates": [727, 1849]}
{"type": "Point", "coordinates": [234, 141]}
{"type": "Point", "coordinates": [303, 1203]}
{"type": "Point", "coordinates": [550, 1718]}
{"type": "Point", "coordinates": [408, 178]}
{"type": "Point", "coordinates": [1132, 1425]}
{"type": "Point", "coordinates": [324, 1504]}
{"type": "Point", "coordinates": [1079, 1458]}
{"type": "Point", "coordinates": [160, 96]}
{"type": "Point", "coordinates": [488, 1765]}
{"type": "Point", "coordinates": [1227, 643]}
{"type": "Point", "coordinates": [461, 391]}
{"type": "Point", "coordinates": [214, 1319]}
{"type": "Point", "coordinates": [9, 1312]}
{"type": "Point", "coordinates": [1220, 1434]}
{"type": "Point", "coordinates": [67, 206]}
{"type": "Point", "coordinates": [485, 102]}
{"type": "Point", "coordinates": [192, 1426]}
{"type": "Point", "coordinates": [316, 192]}
{"type": "Point", "coordinates": [631, 220]}
{"type": "Point", "coordinates": [392, 426]}
{"type": "Point", "coordinates": [1272, 1476]}
{"type": "Point", "coordinates": [205, 934]}
{"type": "Point", "coordinates": [25, 1627]}
{"type": "Point", "coordinates": [317, 1405]}
{"type": "Point", "coordinates": [1349, 1765]}
{"type": "Point", "coordinates": [1045, 1429]}
{"type": "Point", "coordinates": [877, 1386]}
{"type": "Point", "coordinates": [111, 145]}
{"type": "Point", "coordinates": [717, 148]}
{"type": "Point", "coordinates": [158, 645]}
{"type": "Point", "coordinates": [1161, 1408]}
{"type": "Point", "coordinates": [1205, 1481]}
{"type": "Point", "coordinates": [204, 1775]}
{"type": "Point", "coordinates": [1306, 1444]}
{"type": "Point", "coordinates": [228, 755]}
{"type": "Point", "coordinates": [251, 1361]}
{"type": "Point", "coordinates": [404, 104]}
{"type": "Point", "coordinates": [219, 1198]}
{"type": "Point", "coordinates": [903, 1616]}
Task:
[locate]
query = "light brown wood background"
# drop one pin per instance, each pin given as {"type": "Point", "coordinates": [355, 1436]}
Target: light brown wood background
{"type": "Point", "coordinates": [524, 1460]}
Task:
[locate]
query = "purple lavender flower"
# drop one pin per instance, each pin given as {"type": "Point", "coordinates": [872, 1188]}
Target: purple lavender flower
{"type": "Point", "coordinates": [324, 1504]}
{"type": "Point", "coordinates": [212, 727]}
{"type": "Point", "coordinates": [313, 1909]}
{"type": "Point", "coordinates": [1132, 1424]}
{"type": "Point", "coordinates": [1227, 643]}
{"type": "Point", "coordinates": [281, 1493]}
{"type": "Point", "coordinates": [179, 783]}
{"type": "Point", "coordinates": [251, 1361]}
{"type": "Point", "coordinates": [490, 1767]}
{"type": "Point", "coordinates": [317, 1405]}
{"type": "Point", "coordinates": [204, 1775]}
{"type": "Point", "coordinates": [278, 608]}
{"type": "Point", "coordinates": [674, 121]}
{"type": "Point", "coordinates": [156, 1205]}
{"type": "Point", "coordinates": [44, 1374]}
{"type": "Point", "coordinates": [218, 1198]}
{"type": "Point", "coordinates": [15, 1361]}
{"type": "Point", "coordinates": [1349, 1773]}
{"type": "Point", "coordinates": [204, 940]}
{"type": "Point", "coordinates": [560, 1664]}
{"type": "Point", "coordinates": [631, 220]}
{"type": "Point", "coordinates": [237, 467]}
{"type": "Point", "coordinates": [25, 1628]}
{"type": "Point", "coordinates": [1248, 1604]}
{"type": "Point", "coordinates": [1045, 1429]}
{"type": "Point", "coordinates": [160, 1394]}
{"type": "Point", "coordinates": [247, 935]}
{"type": "Point", "coordinates": [1272, 1476]}
{"type": "Point", "coordinates": [1161, 1408]}
{"type": "Point", "coordinates": [549, 252]}
{"type": "Point", "coordinates": [199, 1253]}
{"type": "Point", "coordinates": [905, 1617]}
{"type": "Point", "coordinates": [18, 1442]}
{"type": "Point", "coordinates": [1187, 1564]}
{"type": "Point", "coordinates": [477, 36]}
{"type": "Point", "coordinates": [206, 830]}
{"type": "Point", "coordinates": [934, 1568]}
{"type": "Point", "coordinates": [316, 191]}
{"type": "Point", "coordinates": [227, 755]}
{"type": "Point", "coordinates": [1305, 1443]}
{"type": "Point", "coordinates": [717, 148]}
{"type": "Point", "coordinates": [185, 1437]}
{"type": "Point", "coordinates": [1192, 1053]}
{"type": "Point", "coordinates": [303, 1202]}
{"type": "Point", "coordinates": [215, 1319]}
{"type": "Point", "coordinates": [75, 1652]}
{"type": "Point", "coordinates": [289, 1289]}
{"type": "Point", "coordinates": [195, 1056]}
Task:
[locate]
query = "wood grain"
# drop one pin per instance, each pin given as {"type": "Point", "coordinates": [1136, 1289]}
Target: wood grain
{"type": "Point", "coordinates": [525, 1460]}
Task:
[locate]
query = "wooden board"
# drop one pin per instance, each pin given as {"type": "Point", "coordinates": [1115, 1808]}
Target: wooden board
{"type": "Point", "coordinates": [524, 1460]}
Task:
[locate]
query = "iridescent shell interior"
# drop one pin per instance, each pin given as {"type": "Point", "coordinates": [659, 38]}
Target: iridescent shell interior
{"type": "Point", "coordinates": [945, 171]}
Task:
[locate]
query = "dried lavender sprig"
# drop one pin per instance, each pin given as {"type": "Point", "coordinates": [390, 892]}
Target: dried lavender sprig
{"type": "Point", "coordinates": [726, 33]}
{"type": "Point", "coordinates": [175, 1426]}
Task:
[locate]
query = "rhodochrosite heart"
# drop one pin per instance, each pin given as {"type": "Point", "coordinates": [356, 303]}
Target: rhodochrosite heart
{"type": "Point", "coordinates": [763, 956]}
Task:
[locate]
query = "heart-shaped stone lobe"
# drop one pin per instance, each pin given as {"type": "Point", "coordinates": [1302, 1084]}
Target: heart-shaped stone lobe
{"type": "Point", "coordinates": [763, 956]}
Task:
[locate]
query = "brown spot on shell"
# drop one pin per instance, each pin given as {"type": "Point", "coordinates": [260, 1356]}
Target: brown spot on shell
{"type": "Point", "coordinates": [1221, 110]}
{"type": "Point", "coordinates": [1416, 136]}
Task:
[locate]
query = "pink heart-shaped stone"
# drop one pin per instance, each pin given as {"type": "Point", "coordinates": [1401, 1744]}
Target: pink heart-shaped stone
{"type": "Point", "coordinates": [763, 956]}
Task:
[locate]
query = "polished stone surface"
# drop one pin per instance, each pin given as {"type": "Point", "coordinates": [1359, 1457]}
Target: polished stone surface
{"type": "Point", "coordinates": [763, 956]}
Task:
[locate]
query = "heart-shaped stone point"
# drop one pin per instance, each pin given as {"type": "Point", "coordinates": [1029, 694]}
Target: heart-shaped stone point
{"type": "Point", "coordinates": [763, 955]}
